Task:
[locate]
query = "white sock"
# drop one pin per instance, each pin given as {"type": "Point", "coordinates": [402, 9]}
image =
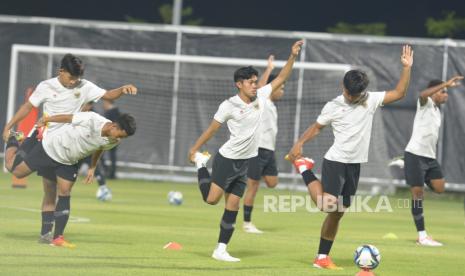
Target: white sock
{"type": "Point", "coordinates": [302, 168]}
{"type": "Point", "coordinates": [322, 256]}
{"type": "Point", "coordinates": [221, 247]}
{"type": "Point", "coordinates": [422, 234]}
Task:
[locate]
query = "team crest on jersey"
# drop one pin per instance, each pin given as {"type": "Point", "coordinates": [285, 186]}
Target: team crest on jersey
{"type": "Point", "coordinates": [256, 105]}
{"type": "Point", "coordinates": [77, 93]}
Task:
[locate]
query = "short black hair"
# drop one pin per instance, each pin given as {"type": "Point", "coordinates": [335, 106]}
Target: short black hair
{"type": "Point", "coordinates": [355, 81]}
{"type": "Point", "coordinates": [73, 65]}
{"type": "Point", "coordinates": [127, 123]}
{"type": "Point", "coordinates": [245, 73]}
{"type": "Point", "coordinates": [434, 83]}
{"type": "Point", "coordinates": [271, 78]}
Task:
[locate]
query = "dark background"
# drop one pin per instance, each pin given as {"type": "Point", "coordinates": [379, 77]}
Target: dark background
{"type": "Point", "coordinates": [403, 18]}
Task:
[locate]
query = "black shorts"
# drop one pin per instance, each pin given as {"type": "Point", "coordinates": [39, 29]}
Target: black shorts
{"type": "Point", "coordinates": [419, 169]}
{"type": "Point", "coordinates": [28, 144]}
{"type": "Point", "coordinates": [230, 174]}
{"type": "Point", "coordinates": [262, 164]}
{"type": "Point", "coordinates": [340, 179]}
{"type": "Point", "coordinates": [38, 160]}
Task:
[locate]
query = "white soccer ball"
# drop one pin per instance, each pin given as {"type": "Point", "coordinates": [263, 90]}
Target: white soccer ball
{"type": "Point", "coordinates": [367, 257]}
{"type": "Point", "coordinates": [104, 194]}
{"type": "Point", "coordinates": [175, 198]}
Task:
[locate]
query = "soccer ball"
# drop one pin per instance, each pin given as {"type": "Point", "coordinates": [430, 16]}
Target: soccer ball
{"type": "Point", "coordinates": [367, 257]}
{"type": "Point", "coordinates": [104, 194]}
{"type": "Point", "coordinates": [175, 198]}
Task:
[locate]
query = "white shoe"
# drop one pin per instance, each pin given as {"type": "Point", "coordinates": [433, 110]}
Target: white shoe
{"type": "Point", "coordinates": [428, 241]}
{"type": "Point", "coordinates": [223, 255]}
{"type": "Point", "coordinates": [398, 162]}
{"type": "Point", "coordinates": [201, 158]}
{"type": "Point", "coordinates": [251, 228]}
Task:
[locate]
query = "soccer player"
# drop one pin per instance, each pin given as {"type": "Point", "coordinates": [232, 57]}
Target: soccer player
{"type": "Point", "coordinates": [57, 155]}
{"type": "Point", "coordinates": [420, 161]}
{"type": "Point", "coordinates": [263, 165]}
{"type": "Point", "coordinates": [242, 113]}
{"type": "Point", "coordinates": [350, 115]}
{"type": "Point", "coordinates": [64, 94]}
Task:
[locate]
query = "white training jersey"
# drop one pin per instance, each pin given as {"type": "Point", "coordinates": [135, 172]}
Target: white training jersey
{"type": "Point", "coordinates": [243, 120]}
{"type": "Point", "coordinates": [268, 128]}
{"type": "Point", "coordinates": [57, 99]}
{"type": "Point", "coordinates": [425, 130]}
{"type": "Point", "coordinates": [351, 124]}
{"type": "Point", "coordinates": [79, 139]}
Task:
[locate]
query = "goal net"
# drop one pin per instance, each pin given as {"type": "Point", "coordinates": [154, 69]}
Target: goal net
{"type": "Point", "coordinates": [178, 96]}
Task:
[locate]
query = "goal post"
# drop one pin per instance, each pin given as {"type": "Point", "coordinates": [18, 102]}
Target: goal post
{"type": "Point", "coordinates": [168, 124]}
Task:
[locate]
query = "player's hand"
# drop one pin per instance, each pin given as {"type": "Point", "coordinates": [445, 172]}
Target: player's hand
{"type": "Point", "coordinates": [129, 89]}
{"type": "Point", "coordinates": [296, 48]}
{"type": "Point", "coordinates": [41, 122]}
{"type": "Point", "coordinates": [294, 153]}
{"type": "Point", "coordinates": [90, 176]}
{"type": "Point", "coordinates": [271, 62]}
{"type": "Point", "coordinates": [455, 81]}
{"type": "Point", "coordinates": [407, 56]}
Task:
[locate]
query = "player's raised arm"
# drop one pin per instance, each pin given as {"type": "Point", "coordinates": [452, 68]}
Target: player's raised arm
{"type": "Point", "coordinates": [118, 92]}
{"type": "Point", "coordinates": [206, 135]}
{"type": "Point", "coordinates": [401, 89]}
{"type": "Point", "coordinates": [267, 73]}
{"type": "Point", "coordinates": [453, 82]}
{"type": "Point", "coordinates": [287, 69]}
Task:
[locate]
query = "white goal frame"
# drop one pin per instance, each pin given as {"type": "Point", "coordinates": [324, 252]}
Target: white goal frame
{"type": "Point", "coordinates": [301, 65]}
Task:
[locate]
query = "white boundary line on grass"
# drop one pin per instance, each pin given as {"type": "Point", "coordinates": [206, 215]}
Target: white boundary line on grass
{"type": "Point", "coordinates": [71, 218]}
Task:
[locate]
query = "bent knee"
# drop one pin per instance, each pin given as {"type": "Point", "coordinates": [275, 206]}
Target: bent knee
{"type": "Point", "coordinates": [271, 182]}
{"type": "Point", "coordinates": [212, 201]}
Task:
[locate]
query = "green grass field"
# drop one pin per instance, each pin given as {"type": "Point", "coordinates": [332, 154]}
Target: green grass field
{"type": "Point", "coordinates": [126, 236]}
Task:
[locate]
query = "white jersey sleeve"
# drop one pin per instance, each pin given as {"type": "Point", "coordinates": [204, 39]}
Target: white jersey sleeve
{"type": "Point", "coordinates": [265, 91]}
{"type": "Point", "coordinates": [376, 99]}
{"type": "Point", "coordinates": [326, 116]}
{"type": "Point", "coordinates": [94, 93]}
{"type": "Point", "coordinates": [39, 95]}
{"type": "Point", "coordinates": [224, 112]}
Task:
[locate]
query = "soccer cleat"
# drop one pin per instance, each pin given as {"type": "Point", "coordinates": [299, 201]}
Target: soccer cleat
{"type": "Point", "coordinates": [303, 164]}
{"type": "Point", "coordinates": [249, 227]}
{"type": "Point", "coordinates": [46, 238]}
{"type": "Point", "coordinates": [201, 158]}
{"type": "Point", "coordinates": [397, 162]}
{"type": "Point", "coordinates": [60, 241]}
{"type": "Point", "coordinates": [428, 241]}
{"type": "Point", "coordinates": [223, 255]}
{"type": "Point", "coordinates": [325, 263]}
